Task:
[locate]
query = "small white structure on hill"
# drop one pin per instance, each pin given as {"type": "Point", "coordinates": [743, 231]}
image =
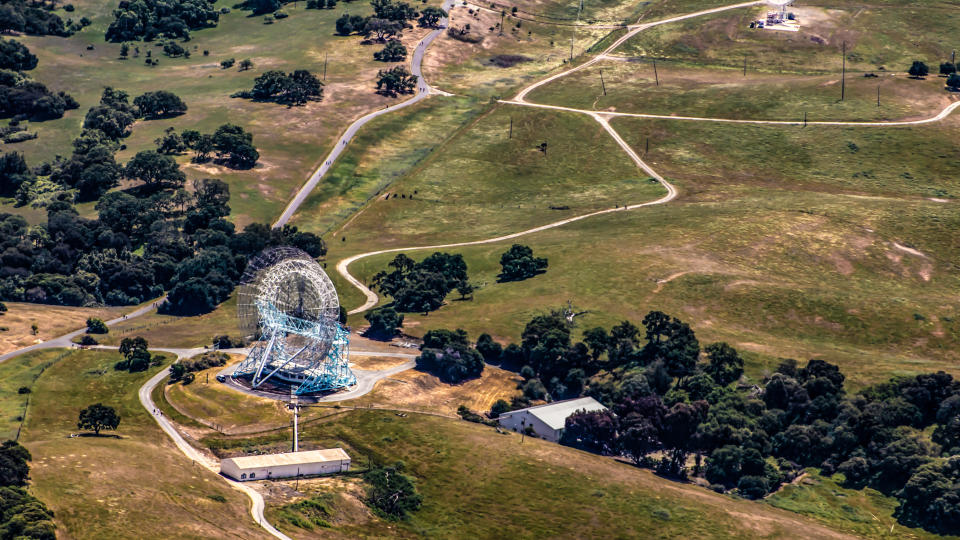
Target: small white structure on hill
{"type": "Point", "coordinates": [287, 465]}
{"type": "Point", "coordinates": [548, 421]}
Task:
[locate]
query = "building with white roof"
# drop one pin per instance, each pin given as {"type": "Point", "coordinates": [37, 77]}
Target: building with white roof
{"type": "Point", "coordinates": [548, 420]}
{"type": "Point", "coordinates": [309, 463]}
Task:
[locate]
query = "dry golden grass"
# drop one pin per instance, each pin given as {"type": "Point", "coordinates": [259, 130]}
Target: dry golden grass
{"type": "Point", "coordinates": [425, 392]}
{"type": "Point", "coordinates": [51, 321]}
{"type": "Point", "coordinates": [132, 483]}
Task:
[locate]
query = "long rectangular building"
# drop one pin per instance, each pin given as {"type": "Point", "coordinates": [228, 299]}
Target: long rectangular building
{"type": "Point", "coordinates": [548, 421]}
{"type": "Point", "coordinates": [286, 465]}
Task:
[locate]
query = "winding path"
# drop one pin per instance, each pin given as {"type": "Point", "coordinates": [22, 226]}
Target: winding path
{"type": "Point", "coordinates": [65, 341]}
{"type": "Point", "coordinates": [423, 90]}
{"type": "Point", "coordinates": [604, 117]}
{"type": "Point", "coordinates": [256, 509]}
{"type": "Point", "coordinates": [372, 298]}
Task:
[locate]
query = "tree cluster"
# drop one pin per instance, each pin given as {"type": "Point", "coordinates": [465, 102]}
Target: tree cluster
{"type": "Point", "coordinates": [348, 24]}
{"type": "Point", "coordinates": [666, 395]}
{"type": "Point", "coordinates": [21, 514]}
{"type": "Point", "coordinates": [388, 20]}
{"type": "Point", "coordinates": [391, 493]}
{"type": "Point", "coordinates": [187, 247]}
{"type": "Point", "coordinates": [148, 239]}
{"type": "Point", "coordinates": [393, 51]}
{"type": "Point", "coordinates": [159, 104]}
{"type": "Point", "coordinates": [518, 264]}
{"type": "Point", "coordinates": [385, 322]}
{"type": "Point", "coordinates": [918, 69]}
{"type": "Point", "coordinates": [321, 4]}
{"type": "Point", "coordinates": [136, 357]}
{"type": "Point", "coordinates": [430, 17]}
{"type": "Point", "coordinates": [392, 10]}
{"type": "Point", "coordinates": [449, 355]}
{"type": "Point", "coordinates": [420, 287]}
{"type": "Point", "coordinates": [24, 98]}
{"type": "Point", "coordinates": [96, 326]}
{"type": "Point", "coordinates": [34, 18]}
{"type": "Point", "coordinates": [232, 146]}
{"type": "Point", "coordinates": [394, 81]}
{"type": "Point", "coordinates": [206, 360]}
{"type": "Point", "coordinates": [113, 116]}
{"type": "Point", "coordinates": [150, 19]}
{"type": "Point", "coordinates": [292, 89]}
{"type": "Point", "coordinates": [16, 56]}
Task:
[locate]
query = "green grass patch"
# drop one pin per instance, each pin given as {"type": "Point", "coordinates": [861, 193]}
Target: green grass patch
{"type": "Point", "coordinates": [726, 93]}
{"type": "Point", "coordinates": [877, 36]}
{"type": "Point", "coordinates": [483, 182]}
{"type": "Point", "coordinates": [385, 149]}
{"type": "Point", "coordinates": [132, 483]}
{"type": "Point", "coordinates": [478, 483]}
{"type": "Point", "coordinates": [867, 512]}
{"type": "Point", "coordinates": [21, 372]}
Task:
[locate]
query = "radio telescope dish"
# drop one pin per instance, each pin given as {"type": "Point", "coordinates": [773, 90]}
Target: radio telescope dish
{"type": "Point", "coordinates": [288, 304]}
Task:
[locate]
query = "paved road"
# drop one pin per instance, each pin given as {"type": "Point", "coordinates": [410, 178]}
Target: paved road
{"type": "Point", "coordinates": [366, 380]}
{"type": "Point", "coordinates": [423, 90]}
{"type": "Point", "coordinates": [256, 509]}
{"type": "Point", "coordinates": [65, 341]}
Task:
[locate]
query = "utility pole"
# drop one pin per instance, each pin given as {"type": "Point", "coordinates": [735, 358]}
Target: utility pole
{"type": "Point", "coordinates": [296, 411]}
{"type": "Point", "coordinates": [298, 480]}
{"type": "Point", "coordinates": [572, 34]}
{"type": "Point", "coordinates": [804, 118]}
{"type": "Point", "coordinates": [646, 148]}
{"type": "Point", "coordinates": [602, 85]}
{"type": "Point", "coordinates": [511, 128]}
{"type": "Point", "coordinates": [744, 65]}
{"type": "Point", "coordinates": [843, 76]}
{"type": "Point", "coordinates": [325, 66]}
{"type": "Point", "coordinates": [878, 95]}
{"type": "Point", "coordinates": [655, 76]}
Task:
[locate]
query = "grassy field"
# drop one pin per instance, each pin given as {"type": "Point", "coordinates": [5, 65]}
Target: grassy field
{"type": "Point", "coordinates": [539, 45]}
{"type": "Point", "coordinates": [726, 93]}
{"type": "Point", "coordinates": [291, 141]}
{"type": "Point", "coordinates": [16, 324]}
{"type": "Point", "coordinates": [909, 162]}
{"type": "Point", "coordinates": [829, 247]}
{"type": "Point", "coordinates": [878, 36]}
{"type": "Point", "coordinates": [173, 331]}
{"type": "Point", "coordinates": [386, 149]}
{"type": "Point", "coordinates": [235, 413]}
{"type": "Point", "coordinates": [483, 183]}
{"type": "Point", "coordinates": [481, 484]}
{"type": "Point", "coordinates": [19, 372]}
{"type": "Point", "coordinates": [866, 512]}
{"type": "Point", "coordinates": [133, 485]}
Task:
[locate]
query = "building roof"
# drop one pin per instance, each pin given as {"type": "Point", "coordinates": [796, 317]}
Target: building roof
{"type": "Point", "coordinates": [555, 414]}
{"type": "Point", "coordinates": [290, 458]}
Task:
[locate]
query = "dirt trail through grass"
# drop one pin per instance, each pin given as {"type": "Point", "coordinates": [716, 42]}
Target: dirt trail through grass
{"type": "Point", "coordinates": [371, 298]}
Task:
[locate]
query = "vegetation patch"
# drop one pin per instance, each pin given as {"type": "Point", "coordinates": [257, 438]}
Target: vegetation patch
{"type": "Point", "coordinates": [509, 60]}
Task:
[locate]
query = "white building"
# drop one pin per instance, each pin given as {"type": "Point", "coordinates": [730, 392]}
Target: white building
{"type": "Point", "coordinates": [548, 420]}
{"type": "Point", "coordinates": [286, 465]}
